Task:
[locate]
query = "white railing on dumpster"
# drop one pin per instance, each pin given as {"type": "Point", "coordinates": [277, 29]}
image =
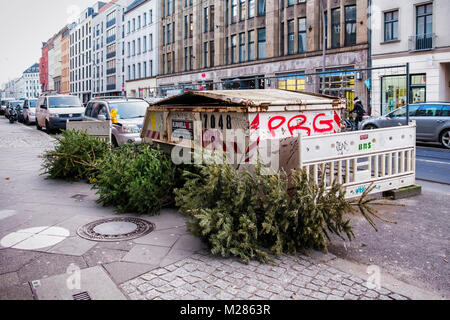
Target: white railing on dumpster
{"type": "Point", "coordinates": [384, 159]}
{"type": "Point", "coordinates": [98, 129]}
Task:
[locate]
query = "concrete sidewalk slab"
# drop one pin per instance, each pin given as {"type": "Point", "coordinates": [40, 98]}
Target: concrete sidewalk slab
{"type": "Point", "coordinates": [74, 246]}
{"type": "Point", "coordinates": [121, 272]}
{"type": "Point", "coordinates": [146, 254]}
{"type": "Point", "coordinates": [95, 281]}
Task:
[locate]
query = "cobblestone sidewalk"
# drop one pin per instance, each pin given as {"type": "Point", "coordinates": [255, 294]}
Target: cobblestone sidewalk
{"type": "Point", "coordinates": [206, 277]}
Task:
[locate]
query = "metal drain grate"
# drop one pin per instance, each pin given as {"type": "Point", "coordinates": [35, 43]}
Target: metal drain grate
{"type": "Point", "coordinates": [84, 296]}
{"type": "Point", "coordinates": [116, 229]}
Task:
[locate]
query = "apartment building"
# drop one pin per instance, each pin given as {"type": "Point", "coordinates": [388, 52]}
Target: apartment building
{"type": "Point", "coordinates": [43, 65]}
{"type": "Point", "coordinates": [108, 49]}
{"type": "Point", "coordinates": [411, 31]}
{"type": "Point", "coordinates": [55, 62]}
{"type": "Point", "coordinates": [141, 48]}
{"type": "Point", "coordinates": [81, 54]}
{"type": "Point", "coordinates": [65, 60]}
{"type": "Point", "coordinates": [28, 85]}
{"type": "Point", "coordinates": [216, 44]}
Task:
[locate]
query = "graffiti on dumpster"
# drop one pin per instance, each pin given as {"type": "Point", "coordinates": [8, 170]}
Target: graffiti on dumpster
{"type": "Point", "coordinates": [308, 124]}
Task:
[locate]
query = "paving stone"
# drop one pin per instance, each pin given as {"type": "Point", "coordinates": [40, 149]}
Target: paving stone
{"type": "Point", "coordinates": [333, 297]}
{"type": "Point", "coordinates": [152, 294]}
{"type": "Point", "coordinates": [264, 294]}
{"type": "Point", "coordinates": [349, 296]}
{"type": "Point", "coordinates": [319, 295]}
{"type": "Point", "coordinates": [371, 294]}
{"type": "Point", "coordinates": [396, 296]}
{"type": "Point", "coordinates": [177, 282]}
{"type": "Point", "coordinates": [338, 293]}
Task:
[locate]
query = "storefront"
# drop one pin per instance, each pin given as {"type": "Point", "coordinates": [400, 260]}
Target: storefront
{"type": "Point", "coordinates": [394, 94]}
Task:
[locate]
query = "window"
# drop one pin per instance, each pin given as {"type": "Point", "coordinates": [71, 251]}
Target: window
{"type": "Point", "coordinates": [291, 2]}
{"type": "Point", "coordinates": [169, 33]}
{"type": "Point", "coordinates": [145, 69]}
{"type": "Point", "coordinates": [139, 71]}
{"type": "Point", "coordinates": [393, 93]}
{"type": "Point", "coordinates": [424, 27]}
{"type": "Point", "coordinates": [234, 11]}
{"type": "Point", "coordinates": [211, 53]}
{"type": "Point", "coordinates": [144, 44]}
{"type": "Point", "coordinates": [139, 46]}
{"type": "Point", "coordinates": [241, 47]}
{"type": "Point", "coordinates": [191, 57]}
{"type": "Point", "coordinates": [227, 12]}
{"type": "Point", "coordinates": [262, 43]}
{"type": "Point", "coordinates": [251, 8]}
{"type": "Point", "coordinates": [169, 62]}
{"type": "Point", "coordinates": [186, 27]}
{"type": "Point", "coordinates": [242, 9]}
{"type": "Point", "coordinates": [391, 26]}
{"type": "Point", "coordinates": [205, 19]}
{"type": "Point", "coordinates": [145, 19]}
{"type": "Point", "coordinates": [205, 55]}
{"type": "Point", "coordinates": [291, 37]}
{"type": "Point", "coordinates": [186, 59]}
{"type": "Point", "coordinates": [418, 88]}
{"type": "Point", "coordinates": [191, 25]}
{"type": "Point", "coordinates": [282, 39]}
{"type": "Point", "coordinates": [350, 25]}
{"type": "Point", "coordinates": [211, 18]}
{"type": "Point", "coordinates": [301, 35]}
{"type": "Point", "coordinates": [151, 42]}
{"type": "Point", "coordinates": [336, 28]}
{"type": "Point", "coordinates": [261, 7]}
{"type": "Point", "coordinates": [233, 49]}
{"type": "Point", "coordinates": [227, 51]}
{"type": "Point", "coordinates": [292, 82]}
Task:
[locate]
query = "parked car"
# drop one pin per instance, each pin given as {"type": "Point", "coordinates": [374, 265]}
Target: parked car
{"type": "Point", "coordinates": [432, 119]}
{"type": "Point", "coordinates": [3, 104]}
{"type": "Point", "coordinates": [128, 121]}
{"type": "Point", "coordinates": [12, 105]}
{"type": "Point", "coordinates": [29, 111]}
{"type": "Point", "coordinates": [54, 110]}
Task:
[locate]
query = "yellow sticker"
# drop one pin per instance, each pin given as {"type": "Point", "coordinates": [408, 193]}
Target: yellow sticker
{"type": "Point", "coordinates": [153, 121]}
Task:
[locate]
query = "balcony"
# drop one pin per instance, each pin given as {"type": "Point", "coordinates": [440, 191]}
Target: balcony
{"type": "Point", "coordinates": [110, 55]}
{"type": "Point", "coordinates": [110, 71]}
{"type": "Point", "coordinates": [110, 23]}
{"type": "Point", "coordinates": [110, 39]}
{"type": "Point", "coordinates": [422, 42]}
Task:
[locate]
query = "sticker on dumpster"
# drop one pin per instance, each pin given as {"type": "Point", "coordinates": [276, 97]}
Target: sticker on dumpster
{"type": "Point", "coordinates": [183, 129]}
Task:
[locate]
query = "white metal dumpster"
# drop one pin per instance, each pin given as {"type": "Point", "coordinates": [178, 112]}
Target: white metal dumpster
{"type": "Point", "coordinates": [208, 118]}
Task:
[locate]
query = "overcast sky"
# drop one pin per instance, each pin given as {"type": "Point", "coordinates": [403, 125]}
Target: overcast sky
{"type": "Point", "coordinates": [25, 24]}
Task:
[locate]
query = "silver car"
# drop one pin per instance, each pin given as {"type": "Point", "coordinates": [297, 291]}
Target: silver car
{"type": "Point", "coordinates": [432, 119]}
{"type": "Point", "coordinates": [127, 117]}
{"type": "Point", "coordinates": [29, 111]}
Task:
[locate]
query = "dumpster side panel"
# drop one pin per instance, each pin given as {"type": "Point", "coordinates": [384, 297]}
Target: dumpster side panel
{"type": "Point", "coordinates": [281, 125]}
{"type": "Point", "coordinates": [154, 127]}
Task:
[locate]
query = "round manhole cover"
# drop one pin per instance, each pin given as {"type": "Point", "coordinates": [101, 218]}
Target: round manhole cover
{"type": "Point", "coordinates": [116, 229]}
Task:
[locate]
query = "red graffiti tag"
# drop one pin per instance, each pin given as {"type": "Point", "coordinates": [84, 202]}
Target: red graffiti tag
{"type": "Point", "coordinates": [328, 123]}
{"type": "Point", "coordinates": [272, 128]}
{"type": "Point", "coordinates": [298, 126]}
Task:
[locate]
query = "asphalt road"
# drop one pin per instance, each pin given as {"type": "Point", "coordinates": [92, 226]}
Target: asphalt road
{"type": "Point", "coordinates": [433, 164]}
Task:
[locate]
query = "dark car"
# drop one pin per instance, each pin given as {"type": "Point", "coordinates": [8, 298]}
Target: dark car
{"type": "Point", "coordinates": [432, 119]}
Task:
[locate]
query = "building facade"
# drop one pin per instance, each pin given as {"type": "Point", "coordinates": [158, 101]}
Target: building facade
{"type": "Point", "coordinates": [141, 48]}
{"type": "Point", "coordinates": [108, 50]}
{"type": "Point", "coordinates": [413, 31]}
{"type": "Point", "coordinates": [65, 61]}
{"type": "Point", "coordinates": [28, 85]}
{"type": "Point", "coordinates": [81, 54]}
{"type": "Point", "coordinates": [55, 62]}
{"type": "Point", "coordinates": [264, 44]}
{"type": "Point", "coordinates": [43, 66]}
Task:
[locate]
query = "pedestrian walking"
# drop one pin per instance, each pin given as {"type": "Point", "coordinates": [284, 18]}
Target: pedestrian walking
{"type": "Point", "coordinates": [360, 112]}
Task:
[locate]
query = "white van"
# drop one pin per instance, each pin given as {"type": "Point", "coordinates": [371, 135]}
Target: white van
{"type": "Point", "coordinates": [53, 111]}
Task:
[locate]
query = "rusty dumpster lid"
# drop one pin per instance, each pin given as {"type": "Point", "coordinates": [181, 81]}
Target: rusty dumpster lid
{"type": "Point", "coordinates": [247, 98]}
